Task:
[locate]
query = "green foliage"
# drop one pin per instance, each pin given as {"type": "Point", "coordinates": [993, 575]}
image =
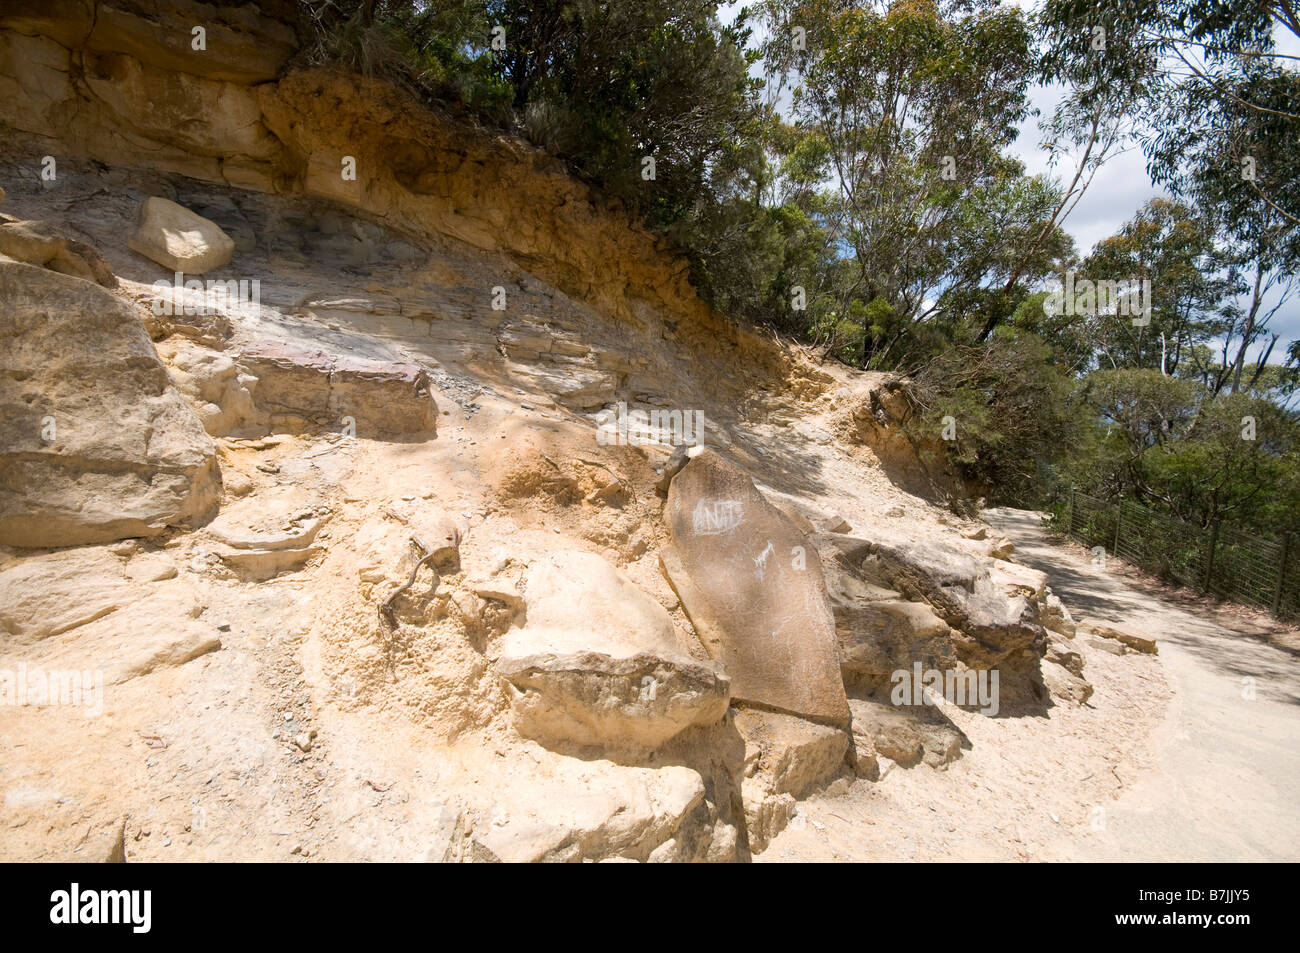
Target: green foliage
{"type": "Point", "coordinates": [1218, 121]}
{"type": "Point", "coordinates": [439, 47]}
{"type": "Point", "coordinates": [1173, 445]}
{"type": "Point", "coordinates": [907, 109]}
{"type": "Point", "coordinates": [1010, 406]}
{"type": "Point", "coordinates": [1174, 250]}
{"type": "Point", "coordinates": [606, 85]}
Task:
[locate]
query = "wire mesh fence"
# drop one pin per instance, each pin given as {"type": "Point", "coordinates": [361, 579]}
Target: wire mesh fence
{"type": "Point", "coordinates": [1221, 560]}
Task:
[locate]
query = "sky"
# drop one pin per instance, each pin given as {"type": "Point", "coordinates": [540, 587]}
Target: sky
{"type": "Point", "coordinates": [1117, 191]}
{"type": "Point", "coordinates": [1120, 187]}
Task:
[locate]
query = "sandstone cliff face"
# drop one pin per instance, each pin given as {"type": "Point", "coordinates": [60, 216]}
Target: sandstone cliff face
{"type": "Point", "coordinates": [128, 91]}
{"type": "Point", "coordinates": [98, 444]}
{"type": "Point", "coordinates": [387, 502]}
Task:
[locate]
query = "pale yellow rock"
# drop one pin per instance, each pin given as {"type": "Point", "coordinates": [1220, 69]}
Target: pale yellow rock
{"type": "Point", "coordinates": [1055, 616]}
{"type": "Point", "coordinates": [109, 449]}
{"type": "Point", "coordinates": [1065, 685]}
{"type": "Point", "coordinates": [501, 590]}
{"type": "Point", "coordinates": [906, 734]}
{"type": "Point", "coordinates": [793, 754]}
{"type": "Point", "coordinates": [260, 564]}
{"type": "Point", "coordinates": [589, 699]}
{"type": "Point", "coordinates": [1016, 578]}
{"type": "Point", "coordinates": [153, 567]}
{"type": "Point", "coordinates": [766, 814]}
{"type": "Point", "coordinates": [43, 596]}
{"type": "Point", "coordinates": [1064, 652]}
{"type": "Point", "coordinates": [579, 810]}
{"type": "Point", "coordinates": [178, 239]}
{"type": "Point", "coordinates": [212, 382]}
{"type": "Point", "coordinates": [93, 621]}
{"type": "Point", "coordinates": [599, 663]}
{"type": "Point", "coordinates": [1107, 630]}
{"type": "Point", "coordinates": [585, 604]}
{"type": "Point", "coordinates": [37, 243]}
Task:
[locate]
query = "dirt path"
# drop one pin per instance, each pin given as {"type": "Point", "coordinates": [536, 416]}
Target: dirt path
{"type": "Point", "coordinates": [1226, 782]}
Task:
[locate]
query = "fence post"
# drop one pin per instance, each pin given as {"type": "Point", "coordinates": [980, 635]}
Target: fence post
{"type": "Point", "coordinates": [1069, 513]}
{"type": "Point", "coordinates": [1209, 555]}
{"type": "Point", "coordinates": [1281, 573]}
{"type": "Point", "coordinates": [1119, 518]}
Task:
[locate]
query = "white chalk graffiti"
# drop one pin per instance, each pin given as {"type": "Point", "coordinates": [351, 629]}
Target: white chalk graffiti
{"type": "Point", "coordinates": [714, 517]}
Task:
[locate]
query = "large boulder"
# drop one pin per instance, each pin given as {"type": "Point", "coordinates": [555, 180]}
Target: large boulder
{"type": "Point", "coordinates": [97, 444]}
{"type": "Point", "coordinates": [879, 632]}
{"type": "Point", "coordinates": [599, 663]}
{"type": "Point", "coordinates": [178, 239]}
{"type": "Point", "coordinates": [601, 700]}
{"type": "Point", "coordinates": [992, 607]}
{"type": "Point", "coordinates": [575, 810]}
{"type": "Point", "coordinates": [753, 587]}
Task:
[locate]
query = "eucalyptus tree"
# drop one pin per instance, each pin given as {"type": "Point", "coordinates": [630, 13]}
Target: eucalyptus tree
{"type": "Point", "coordinates": [1219, 124]}
{"type": "Point", "coordinates": [915, 104]}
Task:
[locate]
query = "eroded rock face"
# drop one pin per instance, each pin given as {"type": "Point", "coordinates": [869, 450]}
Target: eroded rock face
{"type": "Point", "coordinates": [793, 754]}
{"type": "Point", "coordinates": [785, 758]}
{"type": "Point", "coordinates": [39, 244]}
{"type": "Point", "coordinates": [212, 382]}
{"type": "Point", "coordinates": [317, 388]}
{"type": "Point", "coordinates": [97, 445]}
{"type": "Point", "coordinates": [88, 611]}
{"type": "Point", "coordinates": [594, 699]}
{"type": "Point", "coordinates": [880, 632]}
{"type": "Point", "coordinates": [180, 240]}
{"type": "Point", "coordinates": [599, 663]}
{"type": "Point", "coordinates": [906, 734]}
{"type": "Point", "coordinates": [257, 540]}
{"type": "Point", "coordinates": [992, 611]}
{"type": "Point", "coordinates": [600, 810]}
{"type": "Point", "coordinates": [753, 587]}
{"type": "Point", "coordinates": [245, 43]}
